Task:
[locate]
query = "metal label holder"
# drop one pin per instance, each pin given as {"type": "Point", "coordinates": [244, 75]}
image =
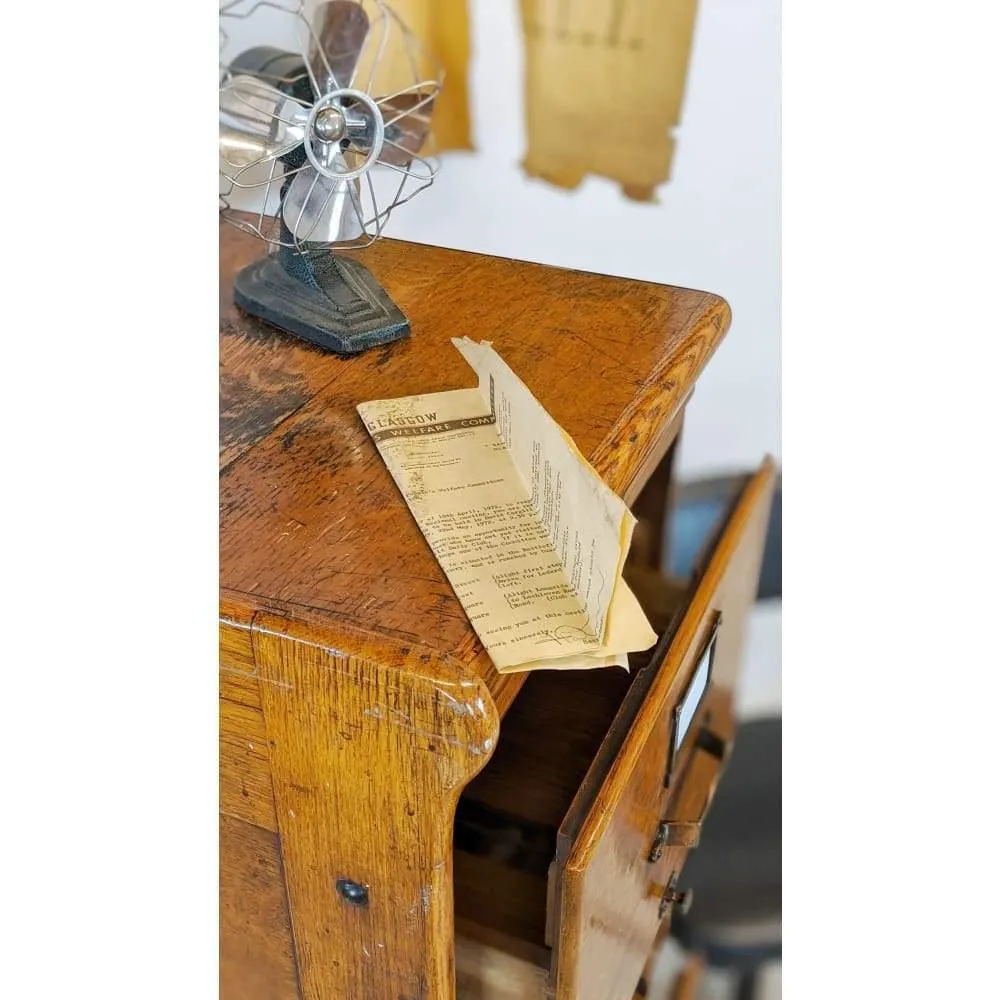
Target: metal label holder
{"type": "Point", "coordinates": [689, 702]}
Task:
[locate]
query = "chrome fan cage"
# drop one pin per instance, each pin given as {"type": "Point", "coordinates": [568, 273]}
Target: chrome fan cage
{"type": "Point", "coordinates": [325, 124]}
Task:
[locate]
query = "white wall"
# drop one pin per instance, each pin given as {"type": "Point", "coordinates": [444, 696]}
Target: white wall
{"type": "Point", "coordinates": [716, 226]}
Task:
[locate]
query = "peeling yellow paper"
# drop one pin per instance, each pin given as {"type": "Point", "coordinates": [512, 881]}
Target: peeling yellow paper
{"type": "Point", "coordinates": [531, 539]}
{"type": "Point", "coordinates": [604, 85]}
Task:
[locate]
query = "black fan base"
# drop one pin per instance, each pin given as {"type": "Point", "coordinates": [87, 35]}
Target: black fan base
{"type": "Point", "coordinates": [346, 311]}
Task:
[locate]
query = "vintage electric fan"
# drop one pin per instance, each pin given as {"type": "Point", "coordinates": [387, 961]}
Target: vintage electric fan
{"type": "Point", "coordinates": [321, 138]}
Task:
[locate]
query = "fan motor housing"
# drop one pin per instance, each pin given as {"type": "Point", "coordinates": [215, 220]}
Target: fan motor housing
{"type": "Point", "coordinates": [284, 70]}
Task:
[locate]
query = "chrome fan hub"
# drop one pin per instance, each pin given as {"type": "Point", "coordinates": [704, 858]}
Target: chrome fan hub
{"type": "Point", "coordinates": [344, 134]}
{"type": "Point", "coordinates": [330, 125]}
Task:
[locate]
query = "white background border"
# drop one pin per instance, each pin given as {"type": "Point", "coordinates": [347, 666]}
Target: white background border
{"type": "Point", "coordinates": [889, 452]}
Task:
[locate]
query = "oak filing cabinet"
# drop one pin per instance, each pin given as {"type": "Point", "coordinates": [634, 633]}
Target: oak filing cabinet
{"type": "Point", "coordinates": [397, 820]}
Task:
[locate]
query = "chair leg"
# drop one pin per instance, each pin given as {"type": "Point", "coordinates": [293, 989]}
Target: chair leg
{"type": "Point", "coordinates": [686, 987]}
{"type": "Point", "coordinates": [747, 988]}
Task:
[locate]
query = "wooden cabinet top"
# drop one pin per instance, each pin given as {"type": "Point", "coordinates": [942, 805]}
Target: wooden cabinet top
{"type": "Point", "coordinates": [310, 519]}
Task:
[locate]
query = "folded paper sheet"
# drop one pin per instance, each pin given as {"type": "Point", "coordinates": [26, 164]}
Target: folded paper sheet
{"type": "Point", "coordinates": [531, 539]}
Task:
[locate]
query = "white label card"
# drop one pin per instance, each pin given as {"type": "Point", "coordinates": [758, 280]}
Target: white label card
{"type": "Point", "coordinates": [695, 692]}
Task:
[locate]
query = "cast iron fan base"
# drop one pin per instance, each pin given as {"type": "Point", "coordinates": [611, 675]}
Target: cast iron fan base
{"type": "Point", "coordinates": [330, 301]}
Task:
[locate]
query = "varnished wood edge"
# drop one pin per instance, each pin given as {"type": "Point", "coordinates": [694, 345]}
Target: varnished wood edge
{"type": "Point", "coordinates": [662, 395]}
{"type": "Point", "coordinates": [239, 613]}
{"type": "Point", "coordinates": [685, 645]}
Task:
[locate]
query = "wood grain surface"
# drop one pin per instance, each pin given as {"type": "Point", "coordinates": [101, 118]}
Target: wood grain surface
{"type": "Point", "coordinates": [309, 515]}
{"type": "Point", "coordinates": [257, 958]}
{"type": "Point", "coordinates": [370, 745]}
{"type": "Point", "coordinates": [494, 966]}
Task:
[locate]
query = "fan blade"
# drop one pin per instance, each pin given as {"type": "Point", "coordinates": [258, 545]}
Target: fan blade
{"type": "Point", "coordinates": [407, 121]}
{"type": "Point", "coordinates": [257, 122]}
{"type": "Point", "coordinates": [339, 30]}
{"type": "Point", "coordinates": [319, 209]}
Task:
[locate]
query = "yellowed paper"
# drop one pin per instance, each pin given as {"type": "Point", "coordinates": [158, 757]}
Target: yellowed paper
{"type": "Point", "coordinates": [604, 85]}
{"type": "Point", "coordinates": [530, 538]}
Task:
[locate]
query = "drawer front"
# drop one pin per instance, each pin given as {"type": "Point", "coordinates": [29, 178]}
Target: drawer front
{"type": "Point", "coordinates": [619, 880]}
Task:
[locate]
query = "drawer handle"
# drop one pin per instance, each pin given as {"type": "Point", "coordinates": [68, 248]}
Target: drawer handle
{"type": "Point", "coordinates": [714, 746]}
{"type": "Point", "coordinates": [683, 828]}
{"type": "Point", "coordinates": [674, 833]}
{"type": "Point", "coordinates": [674, 900]}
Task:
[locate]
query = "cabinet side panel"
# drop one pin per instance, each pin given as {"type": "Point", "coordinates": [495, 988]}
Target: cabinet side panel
{"type": "Point", "coordinates": [245, 790]}
{"type": "Point", "coordinates": [370, 744]}
{"type": "Point", "coordinates": [256, 960]}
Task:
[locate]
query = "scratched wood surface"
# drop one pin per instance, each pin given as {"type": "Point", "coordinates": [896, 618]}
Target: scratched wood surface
{"type": "Point", "coordinates": [608, 895]}
{"type": "Point", "coordinates": [310, 517]}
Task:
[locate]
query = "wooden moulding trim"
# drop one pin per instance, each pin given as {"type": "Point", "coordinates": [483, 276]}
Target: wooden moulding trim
{"type": "Point", "coordinates": [241, 615]}
{"type": "Point", "coordinates": [659, 400]}
{"type": "Point", "coordinates": [235, 646]}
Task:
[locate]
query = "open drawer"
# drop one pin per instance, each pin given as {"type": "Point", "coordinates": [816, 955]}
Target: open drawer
{"type": "Point", "coordinates": [569, 845]}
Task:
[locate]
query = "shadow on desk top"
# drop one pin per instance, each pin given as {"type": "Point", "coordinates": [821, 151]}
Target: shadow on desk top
{"type": "Point", "coordinates": [309, 516]}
